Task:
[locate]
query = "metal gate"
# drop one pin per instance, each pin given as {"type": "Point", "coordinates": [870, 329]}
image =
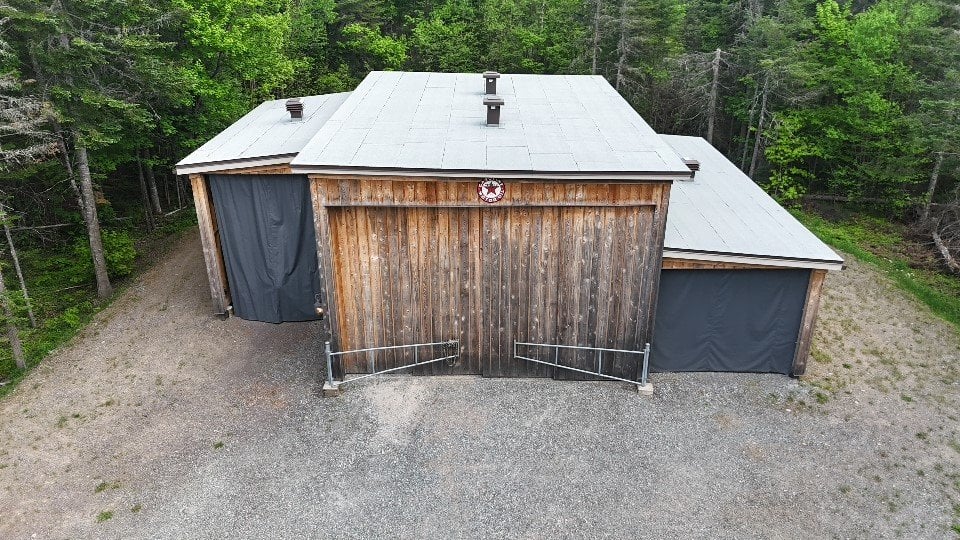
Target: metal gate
{"type": "Point", "coordinates": [642, 371]}
{"type": "Point", "coordinates": [451, 354]}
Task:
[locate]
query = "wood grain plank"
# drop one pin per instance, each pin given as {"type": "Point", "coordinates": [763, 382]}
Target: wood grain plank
{"type": "Point", "coordinates": [208, 239]}
{"type": "Point", "coordinates": [810, 309]}
{"type": "Point", "coordinates": [326, 248]}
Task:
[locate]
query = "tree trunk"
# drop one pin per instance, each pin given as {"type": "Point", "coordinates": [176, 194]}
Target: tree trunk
{"type": "Point", "coordinates": [622, 48]}
{"type": "Point", "coordinates": [763, 113]}
{"type": "Point", "coordinates": [746, 137]}
{"type": "Point", "coordinates": [147, 211]}
{"type": "Point", "coordinates": [16, 266]}
{"type": "Point", "coordinates": [166, 189]}
{"type": "Point", "coordinates": [179, 183]}
{"type": "Point", "coordinates": [714, 90]}
{"type": "Point", "coordinates": [152, 184]}
{"type": "Point", "coordinates": [104, 289]}
{"type": "Point", "coordinates": [596, 38]}
{"type": "Point", "coordinates": [944, 252]}
{"type": "Point", "coordinates": [13, 334]}
{"type": "Point", "coordinates": [69, 166]}
{"type": "Point", "coordinates": [932, 188]}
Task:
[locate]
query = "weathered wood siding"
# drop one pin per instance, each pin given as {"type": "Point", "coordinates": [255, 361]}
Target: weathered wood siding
{"type": "Point", "coordinates": [406, 275]}
{"type": "Point", "coordinates": [566, 275]}
{"type": "Point", "coordinates": [810, 309]}
{"type": "Point", "coordinates": [421, 260]}
{"type": "Point", "coordinates": [210, 239]}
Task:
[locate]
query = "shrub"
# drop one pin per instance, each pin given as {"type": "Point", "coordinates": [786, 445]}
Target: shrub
{"type": "Point", "coordinates": [118, 250]}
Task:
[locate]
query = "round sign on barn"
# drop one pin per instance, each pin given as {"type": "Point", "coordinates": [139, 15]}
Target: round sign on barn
{"type": "Point", "coordinates": [491, 190]}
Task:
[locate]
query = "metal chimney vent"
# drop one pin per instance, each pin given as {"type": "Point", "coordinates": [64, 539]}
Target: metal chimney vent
{"type": "Point", "coordinates": [491, 78]}
{"type": "Point", "coordinates": [692, 164]}
{"type": "Point", "coordinates": [295, 108]}
{"type": "Point", "coordinates": [493, 104]}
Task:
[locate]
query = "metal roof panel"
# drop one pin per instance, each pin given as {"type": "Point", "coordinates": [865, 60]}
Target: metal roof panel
{"type": "Point", "coordinates": [723, 211]}
{"type": "Point", "coordinates": [267, 130]}
{"type": "Point", "coordinates": [579, 116]}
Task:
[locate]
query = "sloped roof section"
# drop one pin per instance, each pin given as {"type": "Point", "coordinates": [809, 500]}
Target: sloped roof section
{"type": "Point", "coordinates": [722, 212]}
{"type": "Point", "coordinates": [435, 123]}
{"type": "Point", "coordinates": [264, 136]}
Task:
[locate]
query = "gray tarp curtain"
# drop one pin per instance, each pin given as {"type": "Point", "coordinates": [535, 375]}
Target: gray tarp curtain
{"type": "Point", "coordinates": [728, 320]}
{"type": "Point", "coordinates": [269, 245]}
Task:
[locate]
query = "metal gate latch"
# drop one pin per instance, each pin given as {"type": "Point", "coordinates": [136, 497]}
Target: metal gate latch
{"type": "Point", "coordinates": [452, 352]}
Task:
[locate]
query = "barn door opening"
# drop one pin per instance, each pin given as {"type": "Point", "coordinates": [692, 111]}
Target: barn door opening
{"type": "Point", "coordinates": [577, 276]}
{"type": "Point", "coordinates": [269, 246]}
{"type": "Point", "coordinates": [406, 275]}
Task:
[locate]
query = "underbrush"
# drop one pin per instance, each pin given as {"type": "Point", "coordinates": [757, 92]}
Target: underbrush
{"type": "Point", "coordinates": [62, 291]}
{"type": "Point", "coordinates": [890, 248]}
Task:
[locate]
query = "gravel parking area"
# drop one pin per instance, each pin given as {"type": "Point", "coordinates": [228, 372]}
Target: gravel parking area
{"type": "Point", "coordinates": [164, 422]}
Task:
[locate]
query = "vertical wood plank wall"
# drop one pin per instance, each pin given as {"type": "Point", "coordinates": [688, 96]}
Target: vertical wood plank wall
{"type": "Point", "coordinates": [426, 260]}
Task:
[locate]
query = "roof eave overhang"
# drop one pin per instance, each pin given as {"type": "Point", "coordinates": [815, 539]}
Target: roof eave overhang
{"type": "Point", "coordinates": [634, 176]}
{"type": "Point", "coordinates": [761, 260]}
{"type": "Point", "coordinates": [232, 164]}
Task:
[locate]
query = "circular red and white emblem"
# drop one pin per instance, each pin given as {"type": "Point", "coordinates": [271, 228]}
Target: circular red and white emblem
{"type": "Point", "coordinates": [490, 190]}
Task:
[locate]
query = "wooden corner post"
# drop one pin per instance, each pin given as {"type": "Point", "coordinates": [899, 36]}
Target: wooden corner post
{"type": "Point", "coordinates": [810, 307]}
{"type": "Point", "coordinates": [325, 263]}
{"type": "Point", "coordinates": [212, 256]}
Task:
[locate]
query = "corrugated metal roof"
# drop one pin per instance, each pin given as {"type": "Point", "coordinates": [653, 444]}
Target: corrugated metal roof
{"type": "Point", "coordinates": [437, 122]}
{"type": "Point", "coordinates": [723, 211]}
{"type": "Point", "coordinates": [266, 131]}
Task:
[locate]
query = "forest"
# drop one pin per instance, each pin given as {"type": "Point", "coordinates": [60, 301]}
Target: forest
{"type": "Point", "coordinates": [855, 105]}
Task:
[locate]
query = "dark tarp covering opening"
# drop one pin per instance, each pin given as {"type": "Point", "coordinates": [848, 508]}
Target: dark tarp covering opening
{"type": "Point", "coordinates": [728, 320]}
{"type": "Point", "coordinates": [269, 245]}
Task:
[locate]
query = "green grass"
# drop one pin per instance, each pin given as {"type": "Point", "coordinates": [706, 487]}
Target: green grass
{"type": "Point", "coordinates": [104, 516]}
{"type": "Point", "coordinates": [880, 244]}
{"type": "Point", "coordinates": [103, 486]}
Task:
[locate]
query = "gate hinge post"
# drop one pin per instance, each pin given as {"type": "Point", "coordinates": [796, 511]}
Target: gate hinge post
{"type": "Point", "coordinates": [645, 387]}
{"type": "Point", "coordinates": [330, 388]}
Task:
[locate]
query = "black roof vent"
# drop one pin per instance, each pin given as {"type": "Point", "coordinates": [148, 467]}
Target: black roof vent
{"type": "Point", "coordinates": [491, 78]}
{"type": "Point", "coordinates": [295, 108]}
{"type": "Point", "coordinates": [493, 104]}
{"type": "Point", "coordinates": [692, 164]}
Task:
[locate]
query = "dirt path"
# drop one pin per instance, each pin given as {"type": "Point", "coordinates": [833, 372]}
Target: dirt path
{"type": "Point", "coordinates": [161, 421]}
{"type": "Point", "coordinates": [109, 411]}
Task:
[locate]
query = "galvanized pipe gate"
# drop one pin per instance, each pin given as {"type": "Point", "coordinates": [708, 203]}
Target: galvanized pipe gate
{"type": "Point", "coordinates": [332, 387]}
{"type": "Point", "coordinates": [452, 350]}
{"type": "Point", "coordinates": [642, 373]}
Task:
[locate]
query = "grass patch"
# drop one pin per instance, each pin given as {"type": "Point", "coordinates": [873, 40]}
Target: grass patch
{"type": "Point", "coordinates": [218, 445]}
{"type": "Point", "coordinates": [879, 244]}
{"type": "Point", "coordinates": [103, 486]}
{"type": "Point", "coordinates": [104, 516]}
{"type": "Point", "coordinates": [136, 508]}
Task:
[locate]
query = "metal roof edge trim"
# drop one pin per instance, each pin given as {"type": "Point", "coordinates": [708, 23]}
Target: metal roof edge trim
{"type": "Point", "coordinates": [482, 173]}
{"type": "Point", "coordinates": [752, 259]}
{"type": "Point", "coordinates": [213, 166]}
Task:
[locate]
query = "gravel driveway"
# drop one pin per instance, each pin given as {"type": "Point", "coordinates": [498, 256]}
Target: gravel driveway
{"type": "Point", "coordinates": [164, 422]}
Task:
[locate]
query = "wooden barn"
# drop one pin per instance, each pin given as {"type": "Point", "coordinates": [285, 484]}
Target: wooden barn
{"type": "Point", "coordinates": [508, 225]}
